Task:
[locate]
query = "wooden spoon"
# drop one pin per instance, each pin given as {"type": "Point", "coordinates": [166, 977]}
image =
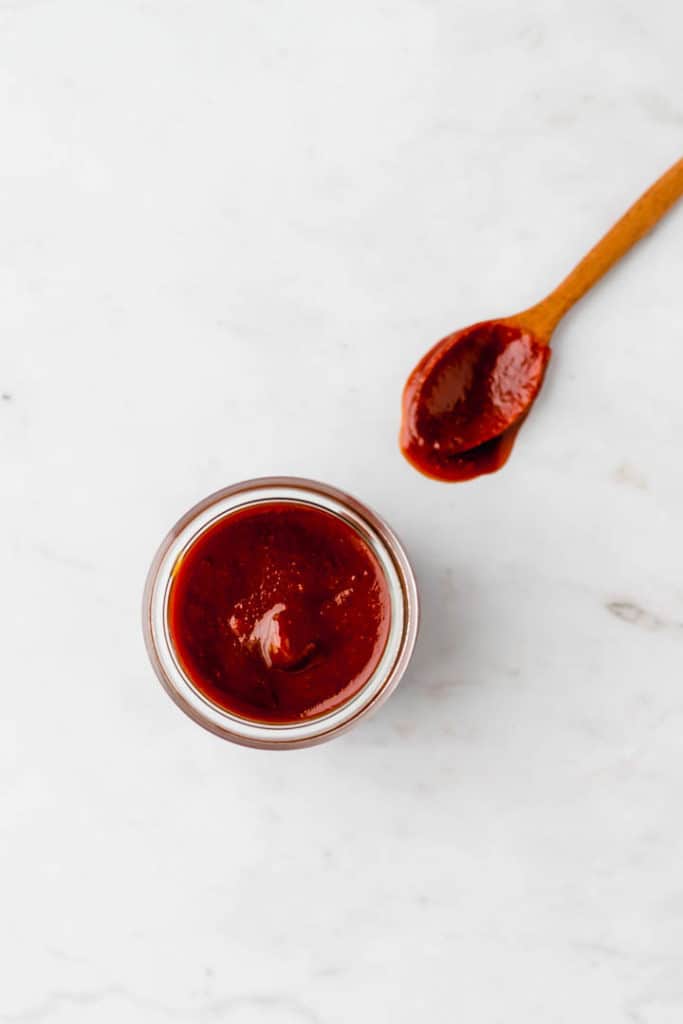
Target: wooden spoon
{"type": "Point", "coordinates": [466, 399]}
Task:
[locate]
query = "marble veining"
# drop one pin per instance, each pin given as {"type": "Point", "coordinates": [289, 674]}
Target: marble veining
{"type": "Point", "coordinates": [629, 612]}
{"type": "Point", "coordinates": [238, 1008]}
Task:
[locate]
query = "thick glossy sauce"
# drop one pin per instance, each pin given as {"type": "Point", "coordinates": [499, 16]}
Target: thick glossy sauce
{"type": "Point", "coordinates": [279, 612]}
{"type": "Point", "coordinates": [466, 399]}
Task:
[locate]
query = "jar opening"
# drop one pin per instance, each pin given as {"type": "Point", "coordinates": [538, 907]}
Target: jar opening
{"type": "Point", "coordinates": [262, 631]}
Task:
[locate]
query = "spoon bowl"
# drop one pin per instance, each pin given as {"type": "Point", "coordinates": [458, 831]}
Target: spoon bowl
{"type": "Point", "coordinates": [467, 398]}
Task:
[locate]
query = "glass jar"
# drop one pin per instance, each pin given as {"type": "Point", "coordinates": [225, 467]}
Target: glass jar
{"type": "Point", "coordinates": [403, 602]}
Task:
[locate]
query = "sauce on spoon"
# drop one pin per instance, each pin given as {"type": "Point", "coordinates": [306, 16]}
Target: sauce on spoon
{"type": "Point", "coordinates": [467, 398]}
{"type": "Point", "coordinates": [465, 401]}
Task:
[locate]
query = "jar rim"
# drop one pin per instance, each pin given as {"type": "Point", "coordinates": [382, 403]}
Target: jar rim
{"type": "Point", "coordinates": [401, 586]}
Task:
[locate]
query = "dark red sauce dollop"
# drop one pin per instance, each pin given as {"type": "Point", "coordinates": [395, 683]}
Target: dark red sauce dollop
{"type": "Point", "coordinates": [466, 399]}
{"type": "Point", "coordinates": [279, 612]}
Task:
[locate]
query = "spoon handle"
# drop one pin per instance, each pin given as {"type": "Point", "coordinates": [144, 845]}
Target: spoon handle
{"type": "Point", "coordinates": [636, 222]}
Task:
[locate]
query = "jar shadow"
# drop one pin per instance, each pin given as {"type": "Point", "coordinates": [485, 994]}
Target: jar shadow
{"type": "Point", "coordinates": [449, 644]}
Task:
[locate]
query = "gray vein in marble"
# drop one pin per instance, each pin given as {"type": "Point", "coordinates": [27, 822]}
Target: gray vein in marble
{"type": "Point", "coordinates": [638, 1012]}
{"type": "Point", "coordinates": [60, 954]}
{"type": "Point", "coordinates": [660, 108]}
{"type": "Point", "coordinates": [218, 1009]}
{"type": "Point", "coordinates": [50, 555]}
{"type": "Point", "coordinates": [20, 6]}
{"type": "Point", "coordinates": [632, 613]}
{"type": "Point", "coordinates": [608, 950]}
{"type": "Point", "coordinates": [602, 949]}
{"type": "Point", "coordinates": [329, 971]}
{"type": "Point", "coordinates": [631, 476]}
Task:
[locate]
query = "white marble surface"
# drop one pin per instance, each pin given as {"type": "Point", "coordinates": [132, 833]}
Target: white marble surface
{"type": "Point", "coordinates": [228, 230]}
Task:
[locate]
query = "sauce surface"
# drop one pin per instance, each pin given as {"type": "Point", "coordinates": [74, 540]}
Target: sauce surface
{"type": "Point", "coordinates": [466, 399]}
{"type": "Point", "coordinates": [279, 612]}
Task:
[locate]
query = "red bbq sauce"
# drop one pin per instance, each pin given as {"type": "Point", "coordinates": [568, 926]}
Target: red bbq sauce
{"type": "Point", "coordinates": [279, 612]}
{"type": "Point", "coordinates": [467, 397]}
